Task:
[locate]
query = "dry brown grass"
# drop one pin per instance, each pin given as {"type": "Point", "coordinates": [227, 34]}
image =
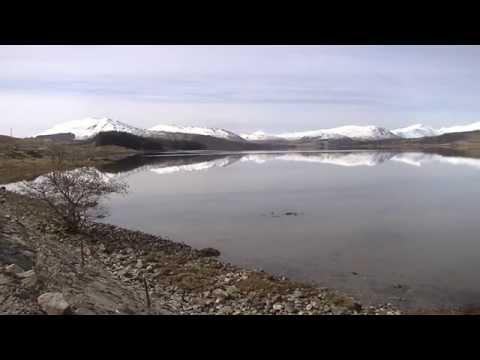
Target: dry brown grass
{"type": "Point", "coordinates": [264, 283]}
{"type": "Point", "coordinates": [25, 159]}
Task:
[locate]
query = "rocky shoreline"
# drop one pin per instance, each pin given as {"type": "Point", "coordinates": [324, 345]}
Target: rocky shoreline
{"type": "Point", "coordinates": [130, 272]}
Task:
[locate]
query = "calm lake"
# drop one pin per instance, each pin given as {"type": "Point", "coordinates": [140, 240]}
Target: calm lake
{"type": "Point", "coordinates": [384, 227]}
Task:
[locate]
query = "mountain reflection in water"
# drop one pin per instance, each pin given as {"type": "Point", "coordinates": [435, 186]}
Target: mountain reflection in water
{"type": "Point", "coordinates": [172, 163]}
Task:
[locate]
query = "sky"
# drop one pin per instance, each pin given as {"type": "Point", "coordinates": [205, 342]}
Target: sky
{"type": "Point", "coordinates": [241, 88]}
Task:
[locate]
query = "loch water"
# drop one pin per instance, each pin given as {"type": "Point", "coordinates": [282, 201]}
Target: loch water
{"type": "Point", "coordinates": [384, 227]}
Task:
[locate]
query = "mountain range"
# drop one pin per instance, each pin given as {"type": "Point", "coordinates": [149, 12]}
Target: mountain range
{"type": "Point", "coordinates": [90, 127]}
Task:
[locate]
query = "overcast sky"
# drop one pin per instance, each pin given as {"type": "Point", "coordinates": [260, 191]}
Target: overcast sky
{"type": "Point", "coordinates": [241, 88]}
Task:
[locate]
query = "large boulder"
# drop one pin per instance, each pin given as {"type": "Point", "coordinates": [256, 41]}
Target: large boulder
{"type": "Point", "coordinates": [53, 304]}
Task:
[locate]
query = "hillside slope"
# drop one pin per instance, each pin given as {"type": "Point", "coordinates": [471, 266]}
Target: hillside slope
{"type": "Point", "coordinates": [462, 144]}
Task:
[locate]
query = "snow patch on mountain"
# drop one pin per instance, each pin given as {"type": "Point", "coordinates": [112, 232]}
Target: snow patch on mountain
{"type": "Point", "coordinates": [418, 130]}
{"type": "Point", "coordinates": [215, 132]}
{"type": "Point", "coordinates": [89, 127]}
{"type": "Point", "coordinates": [369, 132]}
{"type": "Point", "coordinates": [460, 128]}
{"type": "Point", "coordinates": [259, 136]}
{"type": "Point", "coordinates": [415, 131]}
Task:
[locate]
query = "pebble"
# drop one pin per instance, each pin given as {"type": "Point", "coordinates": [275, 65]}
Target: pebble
{"type": "Point", "coordinates": [277, 307]}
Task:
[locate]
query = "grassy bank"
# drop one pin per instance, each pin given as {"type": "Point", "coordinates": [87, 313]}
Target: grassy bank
{"type": "Point", "coordinates": [22, 159]}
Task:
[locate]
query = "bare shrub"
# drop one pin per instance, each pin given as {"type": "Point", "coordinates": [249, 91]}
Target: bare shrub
{"type": "Point", "coordinates": [74, 196]}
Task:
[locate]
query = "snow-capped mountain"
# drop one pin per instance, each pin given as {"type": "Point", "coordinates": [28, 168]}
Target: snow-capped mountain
{"type": "Point", "coordinates": [369, 132]}
{"type": "Point", "coordinates": [215, 132]}
{"type": "Point", "coordinates": [418, 130]}
{"type": "Point", "coordinates": [89, 127]}
{"type": "Point", "coordinates": [460, 128]}
{"type": "Point", "coordinates": [259, 136]}
{"type": "Point", "coordinates": [415, 131]}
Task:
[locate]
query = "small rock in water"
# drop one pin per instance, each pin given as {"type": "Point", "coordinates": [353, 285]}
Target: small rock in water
{"type": "Point", "coordinates": [53, 304]}
{"type": "Point", "coordinates": [26, 274]}
{"type": "Point", "coordinates": [13, 269]}
{"type": "Point", "coordinates": [84, 311]}
{"type": "Point", "coordinates": [208, 252]}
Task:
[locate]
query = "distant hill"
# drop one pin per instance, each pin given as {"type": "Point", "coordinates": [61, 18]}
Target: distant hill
{"type": "Point", "coordinates": [105, 131]}
{"type": "Point", "coordinates": [215, 143]}
{"type": "Point", "coordinates": [7, 139]}
{"type": "Point", "coordinates": [135, 142]}
{"type": "Point", "coordinates": [462, 144]}
{"type": "Point", "coordinates": [62, 137]}
{"type": "Point", "coordinates": [172, 142]}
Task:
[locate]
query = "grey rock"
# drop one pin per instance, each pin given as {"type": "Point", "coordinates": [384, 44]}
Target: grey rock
{"type": "Point", "coordinates": [226, 310]}
{"type": "Point", "coordinates": [4, 279]}
{"type": "Point", "coordinates": [297, 293]}
{"type": "Point", "coordinates": [231, 290]}
{"type": "Point", "coordinates": [30, 282]}
{"type": "Point", "coordinates": [220, 293]}
{"type": "Point", "coordinates": [277, 307]}
{"type": "Point", "coordinates": [26, 274]}
{"type": "Point", "coordinates": [53, 304]}
{"type": "Point", "coordinates": [84, 311]}
{"type": "Point", "coordinates": [123, 272]}
{"type": "Point", "coordinates": [13, 269]}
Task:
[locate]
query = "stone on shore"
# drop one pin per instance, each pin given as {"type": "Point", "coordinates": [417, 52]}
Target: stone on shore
{"type": "Point", "coordinates": [53, 304]}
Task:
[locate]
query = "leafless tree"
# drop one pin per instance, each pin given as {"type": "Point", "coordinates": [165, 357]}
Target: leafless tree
{"type": "Point", "coordinates": [74, 196]}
